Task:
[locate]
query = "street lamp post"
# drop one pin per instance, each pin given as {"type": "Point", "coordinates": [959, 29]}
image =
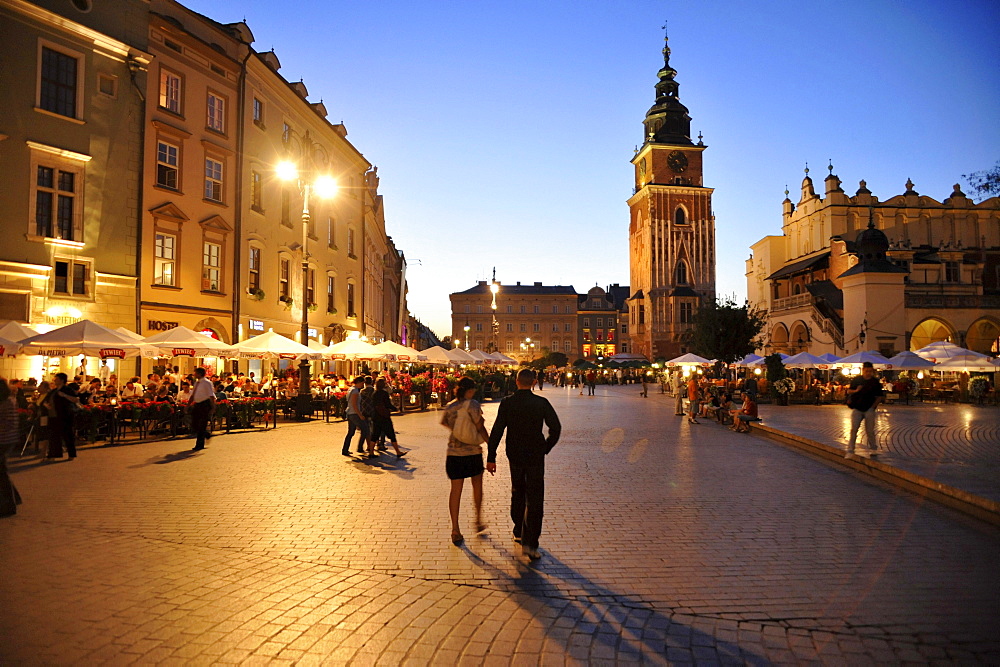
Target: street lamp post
{"type": "Point", "coordinates": [495, 326]}
{"type": "Point", "coordinates": [528, 347]}
{"type": "Point", "coordinates": [466, 328]}
{"type": "Point", "coordinates": [321, 185]}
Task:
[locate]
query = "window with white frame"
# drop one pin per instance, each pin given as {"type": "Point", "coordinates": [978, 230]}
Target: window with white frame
{"type": "Point", "coordinates": [331, 302]}
{"type": "Point", "coordinates": [71, 277]}
{"type": "Point", "coordinates": [510, 309]}
{"type": "Point", "coordinates": [555, 345]}
{"type": "Point", "coordinates": [686, 312]}
{"type": "Point", "coordinates": [510, 346]}
{"type": "Point", "coordinates": [216, 109]}
{"type": "Point", "coordinates": [165, 259]}
{"type": "Point", "coordinates": [479, 326]}
{"type": "Point", "coordinates": [56, 208]}
{"type": "Point", "coordinates": [310, 286]}
{"type": "Point", "coordinates": [524, 327]}
{"type": "Point", "coordinates": [258, 112]}
{"type": "Point", "coordinates": [535, 327]}
{"type": "Point", "coordinates": [555, 327]}
{"type": "Point", "coordinates": [170, 91]}
{"type": "Point", "coordinates": [256, 191]}
{"type": "Point", "coordinates": [568, 327]}
{"type": "Point", "coordinates": [253, 277]}
{"type": "Point", "coordinates": [211, 271]}
{"type": "Point", "coordinates": [57, 90]}
{"type": "Point", "coordinates": [479, 310]}
{"type": "Point", "coordinates": [284, 270]}
{"type": "Point", "coordinates": [213, 180]}
{"type": "Point", "coordinates": [167, 161]}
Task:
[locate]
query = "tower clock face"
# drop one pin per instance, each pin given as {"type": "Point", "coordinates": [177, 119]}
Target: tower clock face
{"type": "Point", "coordinates": [677, 161]}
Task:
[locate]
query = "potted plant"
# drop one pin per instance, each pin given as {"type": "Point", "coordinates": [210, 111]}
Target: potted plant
{"type": "Point", "coordinates": [978, 386]}
{"type": "Point", "coordinates": [776, 371]}
{"type": "Point", "coordinates": [287, 300]}
{"type": "Point", "coordinates": [256, 292]}
{"type": "Point", "coordinates": [784, 387]}
{"type": "Point", "coordinates": [312, 307]}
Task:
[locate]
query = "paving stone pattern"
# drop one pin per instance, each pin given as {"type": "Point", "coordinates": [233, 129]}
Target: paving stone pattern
{"type": "Point", "coordinates": [664, 542]}
{"type": "Point", "coordinates": [958, 445]}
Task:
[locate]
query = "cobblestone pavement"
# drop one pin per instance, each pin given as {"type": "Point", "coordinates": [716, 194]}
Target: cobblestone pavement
{"type": "Point", "coordinates": [958, 445]}
{"type": "Point", "coordinates": [664, 542]}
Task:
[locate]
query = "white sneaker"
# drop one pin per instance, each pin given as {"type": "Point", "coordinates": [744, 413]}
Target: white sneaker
{"type": "Point", "coordinates": [530, 552]}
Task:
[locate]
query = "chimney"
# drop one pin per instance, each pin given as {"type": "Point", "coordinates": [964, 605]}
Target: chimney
{"type": "Point", "coordinates": [519, 283]}
{"type": "Point", "coordinates": [538, 284]}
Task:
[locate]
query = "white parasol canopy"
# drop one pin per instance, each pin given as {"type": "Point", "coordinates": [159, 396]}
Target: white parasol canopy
{"type": "Point", "coordinates": [943, 351]}
{"type": "Point", "coordinates": [859, 358]}
{"type": "Point", "coordinates": [909, 360]}
{"type": "Point", "coordinates": [482, 357]}
{"type": "Point", "coordinates": [460, 356]}
{"type": "Point", "coordinates": [689, 359]}
{"type": "Point", "coordinates": [628, 356]}
{"type": "Point", "coordinates": [806, 360]}
{"type": "Point", "coordinates": [750, 360]}
{"type": "Point", "coordinates": [355, 349]}
{"type": "Point", "coordinates": [271, 345]}
{"type": "Point", "coordinates": [437, 356]}
{"type": "Point", "coordinates": [183, 342]}
{"type": "Point", "coordinates": [128, 333]}
{"type": "Point", "coordinates": [16, 332]}
{"type": "Point", "coordinates": [85, 338]}
{"type": "Point", "coordinates": [964, 365]}
{"type": "Point", "coordinates": [830, 357]}
{"type": "Point", "coordinates": [9, 347]}
{"type": "Point", "coordinates": [400, 352]}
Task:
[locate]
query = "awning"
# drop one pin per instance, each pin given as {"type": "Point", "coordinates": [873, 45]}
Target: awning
{"type": "Point", "coordinates": [801, 265]}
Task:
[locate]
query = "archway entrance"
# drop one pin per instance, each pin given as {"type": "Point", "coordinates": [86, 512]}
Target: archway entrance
{"type": "Point", "coordinates": [930, 331]}
{"type": "Point", "coordinates": [983, 336]}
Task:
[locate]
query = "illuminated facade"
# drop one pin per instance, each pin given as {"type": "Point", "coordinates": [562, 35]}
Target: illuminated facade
{"type": "Point", "coordinates": [850, 273]}
{"type": "Point", "coordinates": [671, 227]}
{"type": "Point", "coordinates": [70, 150]}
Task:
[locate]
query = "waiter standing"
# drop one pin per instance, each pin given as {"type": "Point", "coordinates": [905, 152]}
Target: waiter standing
{"type": "Point", "coordinates": [202, 406]}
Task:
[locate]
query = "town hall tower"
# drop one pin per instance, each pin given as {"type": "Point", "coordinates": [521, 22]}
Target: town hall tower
{"type": "Point", "coordinates": [671, 228]}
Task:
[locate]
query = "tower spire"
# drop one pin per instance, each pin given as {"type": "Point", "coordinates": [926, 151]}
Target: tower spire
{"type": "Point", "coordinates": [667, 121]}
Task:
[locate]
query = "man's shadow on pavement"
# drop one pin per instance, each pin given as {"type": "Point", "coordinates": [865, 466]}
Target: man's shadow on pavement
{"type": "Point", "coordinates": [183, 455]}
{"type": "Point", "coordinates": [551, 589]}
{"type": "Point", "coordinates": [399, 467]}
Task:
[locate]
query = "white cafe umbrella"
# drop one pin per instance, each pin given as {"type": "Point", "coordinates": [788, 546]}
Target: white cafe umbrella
{"type": "Point", "coordinates": [481, 357]}
{"type": "Point", "coordinates": [354, 349]}
{"type": "Point", "coordinates": [859, 358]}
{"type": "Point", "coordinates": [16, 332]}
{"type": "Point", "coordinates": [829, 357]}
{"type": "Point", "coordinates": [962, 365]}
{"type": "Point", "coordinates": [85, 338]}
{"type": "Point", "coordinates": [460, 356]}
{"type": "Point", "coordinates": [401, 352]}
{"type": "Point", "coordinates": [502, 359]}
{"type": "Point", "coordinates": [271, 345]}
{"type": "Point", "coordinates": [9, 347]}
{"type": "Point", "coordinates": [750, 360]}
{"type": "Point", "coordinates": [909, 361]}
{"type": "Point", "coordinates": [128, 333]}
{"type": "Point", "coordinates": [943, 351]}
{"type": "Point", "coordinates": [183, 342]}
{"type": "Point", "coordinates": [689, 359]}
{"type": "Point", "coordinates": [437, 356]}
{"type": "Point", "coordinates": [806, 360]}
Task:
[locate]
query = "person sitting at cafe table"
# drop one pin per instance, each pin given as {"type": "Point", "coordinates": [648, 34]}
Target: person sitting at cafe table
{"type": "Point", "coordinates": [132, 390]}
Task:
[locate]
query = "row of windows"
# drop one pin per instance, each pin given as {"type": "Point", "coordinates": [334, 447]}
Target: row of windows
{"type": "Point", "coordinates": [554, 346]}
{"type": "Point", "coordinates": [168, 173]}
{"type": "Point", "coordinates": [254, 283]}
{"type": "Point", "coordinates": [568, 310]}
{"type": "Point", "coordinates": [166, 257]}
{"type": "Point", "coordinates": [171, 99]}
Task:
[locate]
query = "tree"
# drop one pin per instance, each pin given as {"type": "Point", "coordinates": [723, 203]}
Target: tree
{"type": "Point", "coordinates": [726, 331]}
{"type": "Point", "coordinates": [557, 359]}
{"type": "Point", "coordinates": [984, 183]}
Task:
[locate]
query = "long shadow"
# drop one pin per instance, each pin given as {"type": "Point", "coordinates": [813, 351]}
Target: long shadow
{"type": "Point", "coordinates": [631, 628]}
{"type": "Point", "coordinates": [399, 467]}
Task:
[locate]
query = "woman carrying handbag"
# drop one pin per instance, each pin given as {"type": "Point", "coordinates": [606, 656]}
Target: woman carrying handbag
{"type": "Point", "coordinates": [467, 432]}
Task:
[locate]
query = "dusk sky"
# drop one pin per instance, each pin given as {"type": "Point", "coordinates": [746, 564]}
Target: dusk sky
{"type": "Point", "coordinates": [503, 131]}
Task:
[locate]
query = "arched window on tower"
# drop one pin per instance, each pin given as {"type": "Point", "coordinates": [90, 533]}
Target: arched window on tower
{"type": "Point", "coordinates": [681, 274]}
{"type": "Point", "coordinates": [679, 217]}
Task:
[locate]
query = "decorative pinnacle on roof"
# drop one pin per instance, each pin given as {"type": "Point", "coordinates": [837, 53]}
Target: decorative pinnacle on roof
{"type": "Point", "coordinates": [667, 121]}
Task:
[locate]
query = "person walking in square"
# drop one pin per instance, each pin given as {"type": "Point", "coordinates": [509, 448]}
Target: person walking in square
{"type": "Point", "coordinates": [62, 429]}
{"type": "Point", "coordinates": [522, 415]}
{"type": "Point", "coordinates": [692, 391]}
{"type": "Point", "coordinates": [202, 407]}
{"type": "Point", "coordinates": [355, 420]}
{"type": "Point", "coordinates": [10, 437]}
{"type": "Point", "coordinates": [679, 391]}
{"type": "Point", "coordinates": [863, 397]}
{"type": "Point", "coordinates": [467, 432]}
{"type": "Point", "coordinates": [382, 419]}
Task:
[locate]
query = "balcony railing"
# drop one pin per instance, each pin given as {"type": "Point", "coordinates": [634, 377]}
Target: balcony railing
{"type": "Point", "coordinates": [790, 302]}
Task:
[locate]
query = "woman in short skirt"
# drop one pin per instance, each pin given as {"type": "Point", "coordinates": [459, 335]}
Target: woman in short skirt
{"type": "Point", "coordinates": [464, 460]}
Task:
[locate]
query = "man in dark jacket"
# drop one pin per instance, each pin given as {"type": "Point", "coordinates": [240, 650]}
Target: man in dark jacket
{"type": "Point", "coordinates": [522, 415]}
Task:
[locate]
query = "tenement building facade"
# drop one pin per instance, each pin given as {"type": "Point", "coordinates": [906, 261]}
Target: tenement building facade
{"type": "Point", "coordinates": [143, 147]}
{"type": "Point", "coordinates": [70, 155]}
{"type": "Point", "coordinates": [530, 319]}
{"type": "Point", "coordinates": [850, 272]}
{"type": "Point", "coordinates": [671, 227]}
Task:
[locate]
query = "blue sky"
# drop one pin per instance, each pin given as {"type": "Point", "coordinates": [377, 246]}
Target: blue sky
{"type": "Point", "coordinates": [503, 131]}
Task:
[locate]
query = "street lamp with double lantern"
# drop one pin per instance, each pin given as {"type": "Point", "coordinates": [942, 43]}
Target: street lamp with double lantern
{"type": "Point", "coordinates": [311, 183]}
